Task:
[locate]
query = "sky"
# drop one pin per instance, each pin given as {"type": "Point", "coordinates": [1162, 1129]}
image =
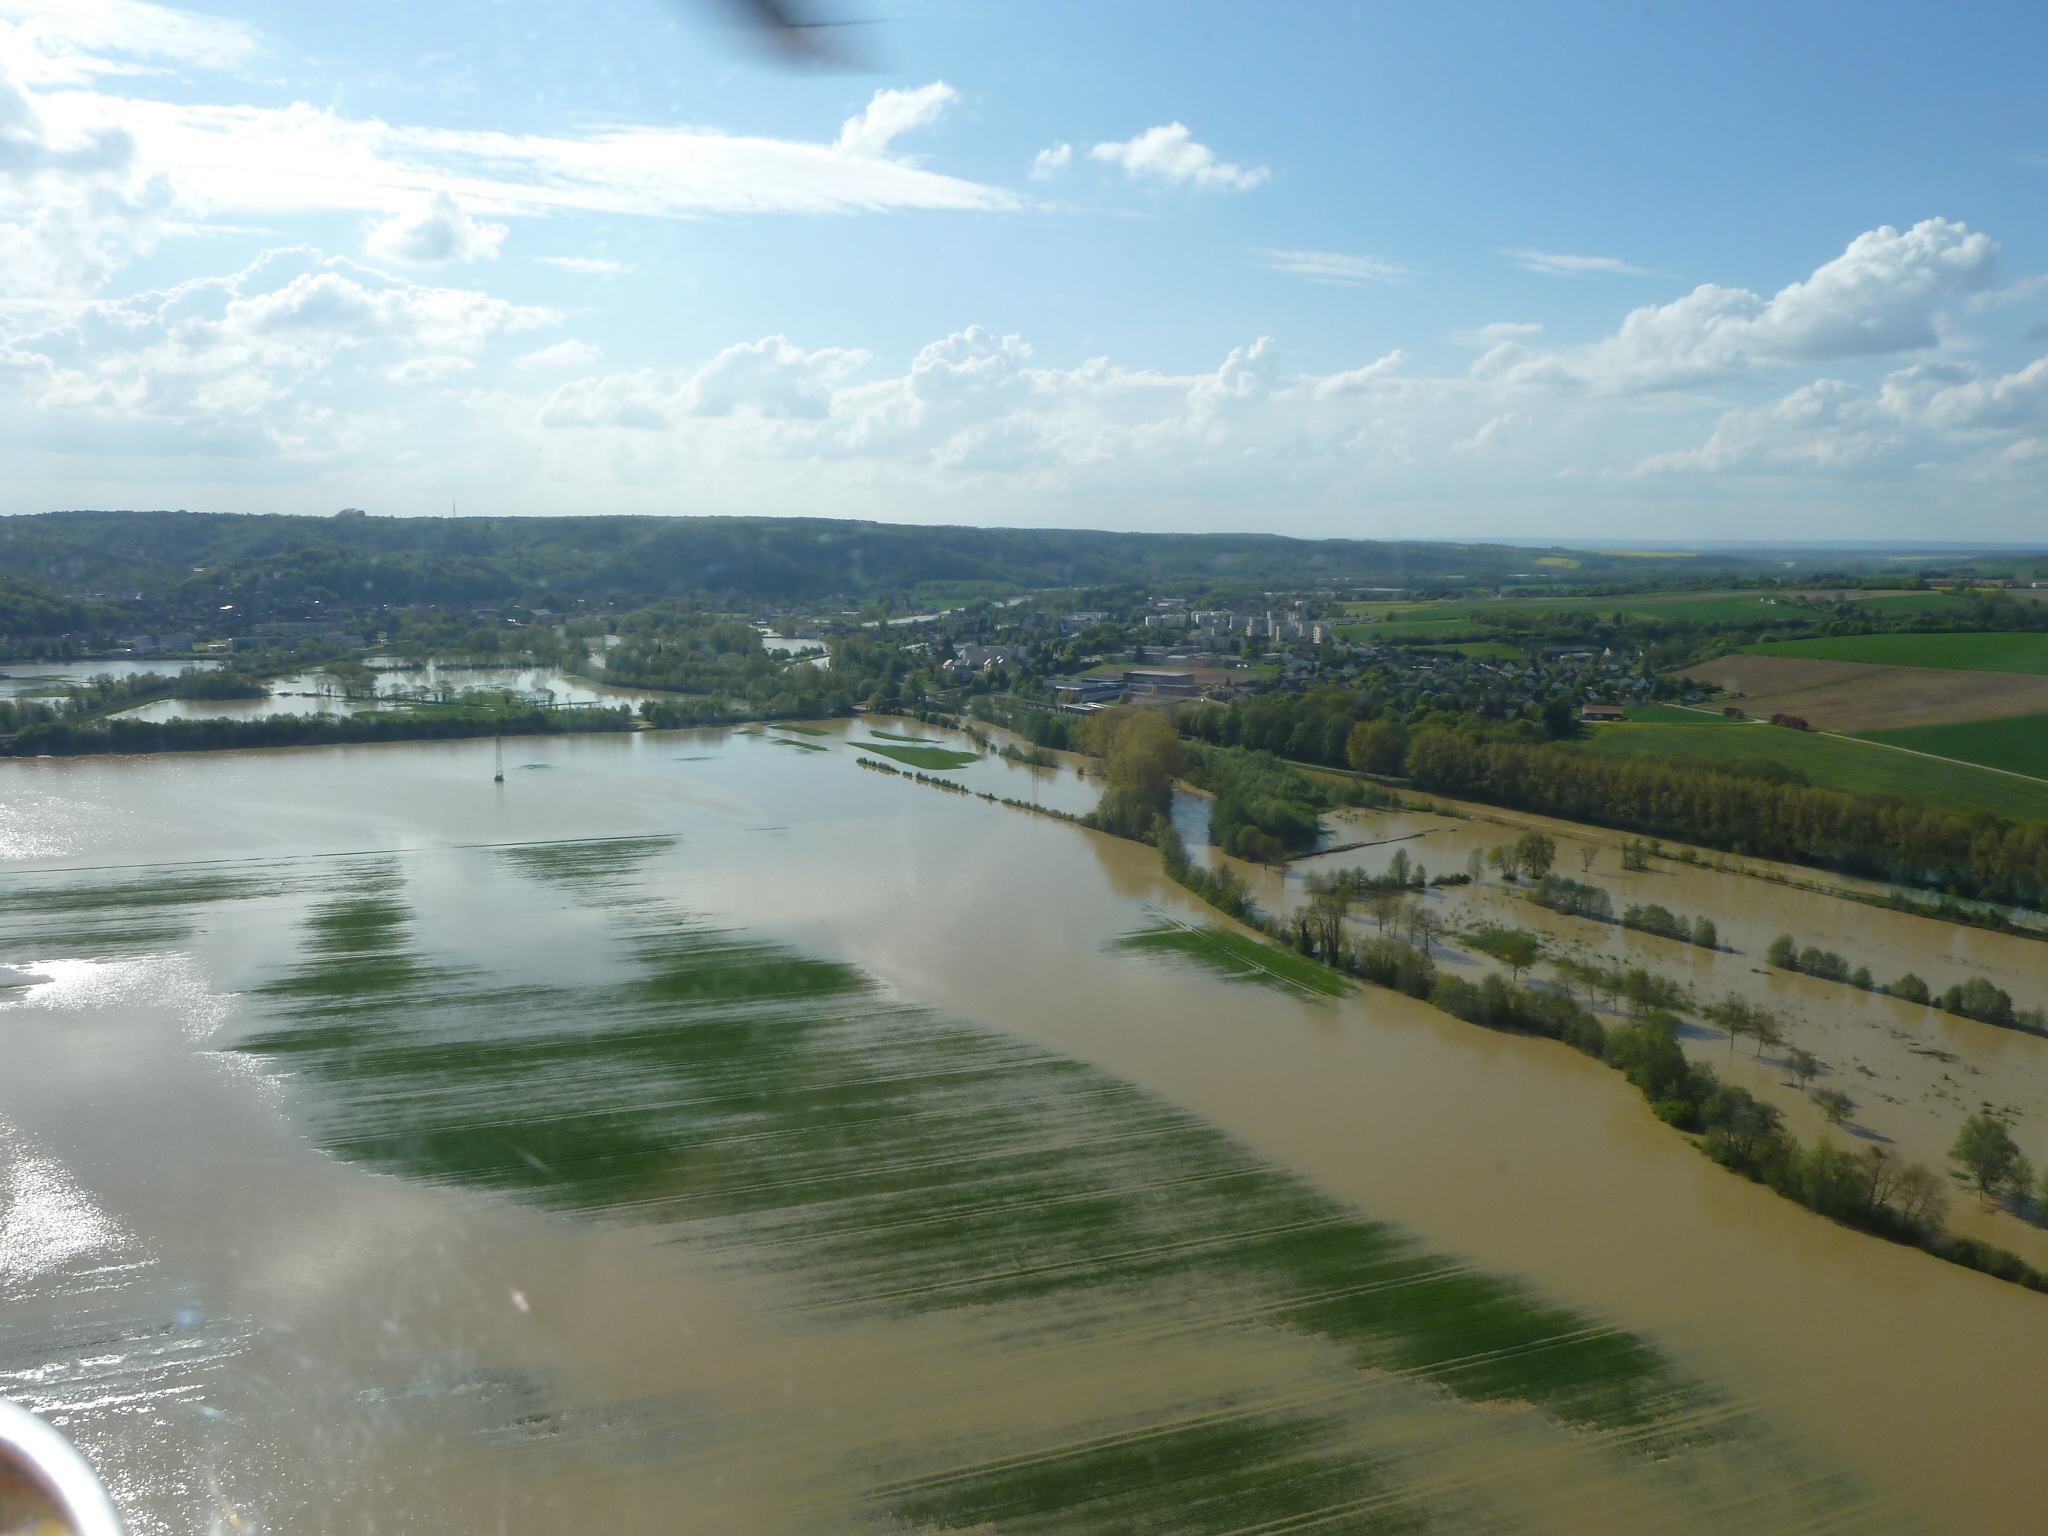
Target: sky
{"type": "Point", "coordinates": [1590, 272]}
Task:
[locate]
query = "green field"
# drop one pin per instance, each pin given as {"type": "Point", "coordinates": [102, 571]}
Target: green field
{"type": "Point", "coordinates": [923, 757]}
{"type": "Point", "coordinates": [1672, 714]}
{"type": "Point", "coordinates": [1829, 762]}
{"type": "Point", "coordinates": [1980, 652]}
{"type": "Point", "coordinates": [2018, 745]}
{"type": "Point", "coordinates": [1239, 957]}
{"type": "Point", "coordinates": [1398, 620]}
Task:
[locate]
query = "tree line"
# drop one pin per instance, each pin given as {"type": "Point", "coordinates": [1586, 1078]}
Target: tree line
{"type": "Point", "coordinates": [1981, 857]}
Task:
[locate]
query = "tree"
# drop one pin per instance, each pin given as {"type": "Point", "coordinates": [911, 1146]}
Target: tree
{"type": "Point", "coordinates": [1765, 1029]}
{"type": "Point", "coordinates": [1803, 1065]}
{"type": "Point", "coordinates": [1783, 953]}
{"type": "Point", "coordinates": [1923, 1197]}
{"type": "Point", "coordinates": [1517, 951]}
{"type": "Point", "coordinates": [1705, 934]}
{"type": "Point", "coordinates": [1329, 906]}
{"type": "Point", "coordinates": [1377, 746]}
{"type": "Point", "coordinates": [1141, 755]}
{"type": "Point", "coordinates": [1538, 853]}
{"type": "Point", "coordinates": [1507, 858]}
{"type": "Point", "coordinates": [1475, 863]}
{"type": "Point", "coordinates": [1988, 1154]}
{"type": "Point", "coordinates": [1382, 905]}
{"type": "Point", "coordinates": [1587, 855]}
{"type": "Point", "coordinates": [1423, 926]}
{"type": "Point", "coordinates": [1911, 988]}
{"type": "Point", "coordinates": [1835, 1104]}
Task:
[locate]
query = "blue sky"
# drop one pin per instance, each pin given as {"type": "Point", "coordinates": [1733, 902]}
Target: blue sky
{"type": "Point", "coordinates": [1587, 272]}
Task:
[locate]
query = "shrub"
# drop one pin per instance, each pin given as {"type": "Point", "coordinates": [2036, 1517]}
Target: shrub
{"type": "Point", "coordinates": [1561, 893]}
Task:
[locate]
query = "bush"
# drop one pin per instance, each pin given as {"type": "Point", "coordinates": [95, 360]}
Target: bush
{"type": "Point", "coordinates": [1561, 893]}
{"type": "Point", "coordinates": [1911, 988]}
{"type": "Point", "coordinates": [1979, 999]}
{"type": "Point", "coordinates": [1655, 919]}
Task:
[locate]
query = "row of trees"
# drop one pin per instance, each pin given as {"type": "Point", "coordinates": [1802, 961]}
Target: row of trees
{"type": "Point", "coordinates": [1977, 998]}
{"type": "Point", "coordinates": [1979, 856]}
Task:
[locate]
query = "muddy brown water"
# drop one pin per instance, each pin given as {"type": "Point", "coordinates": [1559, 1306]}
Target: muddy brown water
{"type": "Point", "coordinates": [257, 1312]}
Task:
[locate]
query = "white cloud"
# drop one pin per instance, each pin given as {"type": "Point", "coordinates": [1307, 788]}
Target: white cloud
{"type": "Point", "coordinates": [1879, 297]}
{"type": "Point", "coordinates": [1047, 163]}
{"type": "Point", "coordinates": [892, 114]}
{"type": "Point", "coordinates": [1331, 267]}
{"type": "Point", "coordinates": [73, 209]}
{"type": "Point", "coordinates": [1499, 333]}
{"type": "Point", "coordinates": [280, 160]}
{"type": "Point", "coordinates": [563, 354]}
{"type": "Point", "coordinates": [1930, 409]}
{"type": "Point", "coordinates": [260, 363]}
{"type": "Point", "coordinates": [435, 233]}
{"type": "Point", "coordinates": [1171, 154]}
{"type": "Point", "coordinates": [594, 266]}
{"type": "Point", "coordinates": [69, 41]}
{"type": "Point", "coordinates": [428, 369]}
{"type": "Point", "coordinates": [1552, 264]}
{"type": "Point", "coordinates": [769, 380]}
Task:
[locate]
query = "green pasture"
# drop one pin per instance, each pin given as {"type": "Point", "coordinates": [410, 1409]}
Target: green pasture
{"type": "Point", "coordinates": [1829, 762]}
{"type": "Point", "coordinates": [1971, 652]}
{"type": "Point", "coordinates": [2018, 744]}
{"type": "Point", "coordinates": [1693, 607]}
{"type": "Point", "coordinates": [1238, 957]}
{"type": "Point", "coordinates": [923, 757]}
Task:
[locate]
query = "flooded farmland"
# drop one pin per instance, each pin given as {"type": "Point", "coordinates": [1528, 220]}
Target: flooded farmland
{"type": "Point", "coordinates": [698, 1132]}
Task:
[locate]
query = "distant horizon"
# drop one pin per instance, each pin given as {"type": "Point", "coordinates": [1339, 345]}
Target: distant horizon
{"type": "Point", "coordinates": [1520, 541]}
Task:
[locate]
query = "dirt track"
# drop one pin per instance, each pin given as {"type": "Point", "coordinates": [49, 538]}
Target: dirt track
{"type": "Point", "coordinates": [1852, 696]}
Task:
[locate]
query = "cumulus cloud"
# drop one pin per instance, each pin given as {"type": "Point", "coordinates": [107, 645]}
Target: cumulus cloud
{"type": "Point", "coordinates": [593, 266]}
{"type": "Point", "coordinates": [892, 114]}
{"type": "Point", "coordinates": [1332, 267]}
{"type": "Point", "coordinates": [1048, 163]}
{"type": "Point", "coordinates": [766, 380]}
{"type": "Point", "coordinates": [1832, 424]}
{"type": "Point", "coordinates": [1880, 296]}
{"type": "Point", "coordinates": [245, 365]}
{"type": "Point", "coordinates": [1553, 264]}
{"type": "Point", "coordinates": [73, 208]}
{"type": "Point", "coordinates": [563, 354]}
{"type": "Point", "coordinates": [435, 233]}
{"type": "Point", "coordinates": [1171, 154]}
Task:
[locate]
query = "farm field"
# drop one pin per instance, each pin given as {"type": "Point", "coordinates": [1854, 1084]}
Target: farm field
{"type": "Point", "coordinates": [1856, 697]}
{"type": "Point", "coordinates": [1975, 652]}
{"type": "Point", "coordinates": [1829, 762]}
{"type": "Point", "coordinates": [1694, 607]}
{"type": "Point", "coordinates": [2018, 745]}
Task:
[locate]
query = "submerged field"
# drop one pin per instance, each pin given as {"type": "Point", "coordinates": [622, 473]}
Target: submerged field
{"type": "Point", "coordinates": [702, 1135]}
{"type": "Point", "coordinates": [1281, 1362]}
{"type": "Point", "coordinates": [1828, 761]}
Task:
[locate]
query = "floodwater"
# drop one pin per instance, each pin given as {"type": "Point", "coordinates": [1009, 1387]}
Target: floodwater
{"type": "Point", "coordinates": [1915, 1073]}
{"type": "Point", "coordinates": [309, 693]}
{"type": "Point", "coordinates": [700, 1131]}
{"type": "Point", "coordinates": [34, 677]}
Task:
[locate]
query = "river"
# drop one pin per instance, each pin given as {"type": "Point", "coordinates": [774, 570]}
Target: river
{"type": "Point", "coordinates": [701, 1131]}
